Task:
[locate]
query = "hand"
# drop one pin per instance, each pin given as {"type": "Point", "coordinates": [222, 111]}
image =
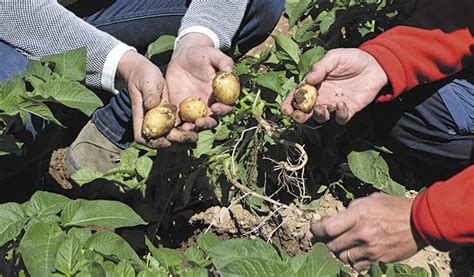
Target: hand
{"type": "Point", "coordinates": [147, 88]}
{"type": "Point", "coordinates": [348, 79]}
{"type": "Point", "coordinates": [374, 228]}
{"type": "Point", "coordinates": [191, 71]}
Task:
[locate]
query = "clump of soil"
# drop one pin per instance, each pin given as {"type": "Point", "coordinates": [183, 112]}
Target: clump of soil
{"type": "Point", "coordinates": [58, 170]}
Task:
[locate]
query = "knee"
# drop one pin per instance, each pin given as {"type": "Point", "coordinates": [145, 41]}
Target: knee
{"type": "Point", "coordinates": [267, 13]}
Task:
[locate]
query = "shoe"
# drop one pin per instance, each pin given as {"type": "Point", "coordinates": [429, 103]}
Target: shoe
{"type": "Point", "coordinates": [93, 150]}
{"type": "Point", "coordinates": [90, 149]}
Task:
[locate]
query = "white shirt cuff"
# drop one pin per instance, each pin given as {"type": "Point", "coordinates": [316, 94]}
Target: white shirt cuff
{"type": "Point", "coordinates": [110, 67]}
{"type": "Point", "coordinates": [201, 30]}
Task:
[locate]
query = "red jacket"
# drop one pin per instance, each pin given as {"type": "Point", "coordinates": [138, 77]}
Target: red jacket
{"type": "Point", "coordinates": [435, 42]}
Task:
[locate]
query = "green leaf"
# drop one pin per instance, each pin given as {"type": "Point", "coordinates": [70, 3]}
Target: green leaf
{"type": "Point", "coordinates": [207, 241]}
{"type": "Point", "coordinates": [254, 266]}
{"type": "Point", "coordinates": [204, 144]}
{"type": "Point", "coordinates": [70, 65]}
{"type": "Point", "coordinates": [12, 220]}
{"type": "Point", "coordinates": [38, 70]}
{"type": "Point", "coordinates": [71, 94]}
{"type": "Point", "coordinates": [195, 272]}
{"type": "Point", "coordinates": [86, 175]}
{"type": "Point", "coordinates": [168, 258]}
{"type": "Point", "coordinates": [321, 263]}
{"type": "Point", "coordinates": [162, 44]}
{"type": "Point", "coordinates": [44, 203]}
{"type": "Point", "coordinates": [8, 145]}
{"type": "Point", "coordinates": [37, 108]}
{"type": "Point", "coordinates": [370, 167]}
{"type": "Point", "coordinates": [196, 256]}
{"type": "Point", "coordinates": [82, 234]}
{"type": "Point", "coordinates": [128, 159]}
{"type": "Point", "coordinates": [110, 214]}
{"type": "Point", "coordinates": [68, 255]}
{"type": "Point", "coordinates": [288, 46]}
{"type": "Point", "coordinates": [144, 166]}
{"type": "Point", "coordinates": [237, 249]}
{"type": "Point", "coordinates": [326, 20]}
{"type": "Point", "coordinates": [124, 269]}
{"type": "Point", "coordinates": [308, 59]}
{"type": "Point", "coordinates": [295, 11]}
{"type": "Point", "coordinates": [113, 245]}
{"type": "Point", "coordinates": [271, 80]}
{"type": "Point", "coordinates": [38, 248]}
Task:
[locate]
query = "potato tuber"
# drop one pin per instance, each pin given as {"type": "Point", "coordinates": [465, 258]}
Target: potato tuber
{"type": "Point", "coordinates": [192, 108]}
{"type": "Point", "coordinates": [226, 87]}
{"type": "Point", "coordinates": [305, 98]}
{"type": "Point", "coordinates": [159, 121]}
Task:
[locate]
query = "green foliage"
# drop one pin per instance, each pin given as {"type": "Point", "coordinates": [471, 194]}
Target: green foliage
{"type": "Point", "coordinates": [161, 45]}
{"type": "Point", "coordinates": [54, 79]}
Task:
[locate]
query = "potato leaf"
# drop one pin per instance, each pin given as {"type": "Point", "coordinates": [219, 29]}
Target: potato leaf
{"type": "Point", "coordinates": [70, 65]}
{"type": "Point", "coordinates": [162, 44]}
{"type": "Point", "coordinates": [44, 203]}
{"type": "Point", "coordinates": [105, 213]}
{"type": "Point", "coordinates": [12, 220]}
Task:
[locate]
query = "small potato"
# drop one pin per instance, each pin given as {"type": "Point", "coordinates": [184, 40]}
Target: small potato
{"type": "Point", "coordinates": [305, 98]}
{"type": "Point", "coordinates": [192, 108]}
{"type": "Point", "coordinates": [159, 121]}
{"type": "Point", "coordinates": [226, 87]}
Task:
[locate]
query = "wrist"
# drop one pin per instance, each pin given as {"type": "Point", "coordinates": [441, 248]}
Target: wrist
{"type": "Point", "coordinates": [379, 77]}
{"type": "Point", "coordinates": [194, 39]}
{"type": "Point", "coordinates": [127, 63]}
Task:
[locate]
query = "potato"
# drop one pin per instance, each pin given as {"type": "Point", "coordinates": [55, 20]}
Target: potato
{"type": "Point", "coordinates": [192, 108]}
{"type": "Point", "coordinates": [159, 121]}
{"type": "Point", "coordinates": [226, 87]}
{"type": "Point", "coordinates": [305, 98]}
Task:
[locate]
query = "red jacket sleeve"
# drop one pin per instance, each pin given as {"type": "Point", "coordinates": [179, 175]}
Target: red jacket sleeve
{"type": "Point", "coordinates": [435, 42]}
{"type": "Point", "coordinates": [444, 214]}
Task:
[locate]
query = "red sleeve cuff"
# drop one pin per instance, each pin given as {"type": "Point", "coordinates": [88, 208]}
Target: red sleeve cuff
{"type": "Point", "coordinates": [392, 67]}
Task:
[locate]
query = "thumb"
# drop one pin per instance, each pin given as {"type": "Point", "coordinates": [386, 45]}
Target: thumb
{"type": "Point", "coordinates": [154, 92]}
{"type": "Point", "coordinates": [322, 68]}
{"type": "Point", "coordinates": [220, 60]}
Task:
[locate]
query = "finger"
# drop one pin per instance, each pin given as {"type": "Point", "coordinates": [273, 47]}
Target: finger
{"type": "Point", "coordinates": [343, 242]}
{"type": "Point", "coordinates": [334, 226]}
{"type": "Point", "coordinates": [221, 109]}
{"type": "Point", "coordinates": [165, 95]}
{"type": "Point", "coordinates": [321, 114]}
{"type": "Point", "coordinates": [362, 265]}
{"type": "Point", "coordinates": [220, 60]}
{"type": "Point", "coordinates": [137, 114]}
{"type": "Point", "coordinates": [342, 113]}
{"type": "Point", "coordinates": [286, 106]}
{"type": "Point", "coordinates": [301, 117]}
{"type": "Point", "coordinates": [187, 126]}
{"type": "Point", "coordinates": [152, 93]}
{"type": "Point", "coordinates": [321, 69]}
{"type": "Point", "coordinates": [182, 136]}
{"type": "Point", "coordinates": [206, 123]}
{"type": "Point", "coordinates": [159, 143]}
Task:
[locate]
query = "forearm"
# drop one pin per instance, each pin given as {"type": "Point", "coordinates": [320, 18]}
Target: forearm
{"type": "Point", "coordinates": [444, 214]}
{"type": "Point", "coordinates": [435, 42]}
{"type": "Point", "coordinates": [219, 20]}
{"type": "Point", "coordinates": [43, 27]}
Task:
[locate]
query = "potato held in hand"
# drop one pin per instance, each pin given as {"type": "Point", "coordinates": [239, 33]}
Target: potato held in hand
{"type": "Point", "coordinates": [305, 98]}
{"type": "Point", "coordinates": [226, 87]}
{"type": "Point", "coordinates": [159, 121]}
{"type": "Point", "coordinates": [192, 108]}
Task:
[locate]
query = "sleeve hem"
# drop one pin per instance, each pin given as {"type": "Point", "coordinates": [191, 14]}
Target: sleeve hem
{"type": "Point", "coordinates": [392, 67]}
{"type": "Point", "coordinates": [109, 71]}
{"type": "Point", "coordinates": [201, 30]}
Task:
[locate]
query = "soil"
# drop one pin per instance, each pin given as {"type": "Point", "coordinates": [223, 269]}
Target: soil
{"type": "Point", "coordinates": [58, 170]}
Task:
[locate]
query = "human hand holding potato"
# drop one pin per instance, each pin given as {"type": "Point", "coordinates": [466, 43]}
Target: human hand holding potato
{"type": "Point", "coordinates": [348, 80]}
